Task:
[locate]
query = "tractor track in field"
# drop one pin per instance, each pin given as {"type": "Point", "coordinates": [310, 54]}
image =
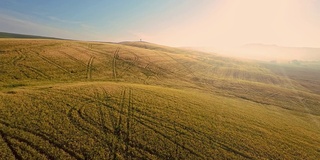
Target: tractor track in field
{"type": "Point", "coordinates": [89, 68]}
{"type": "Point", "coordinates": [130, 63]}
{"type": "Point", "coordinates": [90, 99]}
{"type": "Point", "coordinates": [21, 56]}
{"type": "Point", "coordinates": [187, 129]}
{"type": "Point", "coordinates": [146, 80]}
{"type": "Point", "coordinates": [152, 151]}
{"type": "Point", "coordinates": [97, 52]}
{"type": "Point", "coordinates": [9, 144]}
{"type": "Point", "coordinates": [25, 148]}
{"type": "Point", "coordinates": [101, 133]}
{"type": "Point", "coordinates": [93, 52]}
{"type": "Point", "coordinates": [166, 70]}
{"type": "Point", "coordinates": [154, 125]}
{"type": "Point", "coordinates": [101, 127]}
{"type": "Point", "coordinates": [30, 144]}
{"type": "Point", "coordinates": [82, 125]}
{"type": "Point", "coordinates": [156, 121]}
{"type": "Point", "coordinates": [52, 62]}
{"type": "Point", "coordinates": [193, 132]}
{"type": "Point", "coordinates": [135, 61]}
{"type": "Point", "coordinates": [139, 119]}
{"type": "Point", "coordinates": [146, 60]}
{"type": "Point", "coordinates": [77, 113]}
{"type": "Point", "coordinates": [36, 71]}
{"type": "Point", "coordinates": [110, 110]}
{"type": "Point", "coordinates": [117, 131]}
{"type": "Point", "coordinates": [272, 95]}
{"type": "Point", "coordinates": [15, 61]}
{"type": "Point", "coordinates": [42, 136]}
{"type": "Point", "coordinates": [147, 67]}
{"type": "Point", "coordinates": [73, 58]}
{"type": "Point", "coordinates": [263, 101]}
{"type": "Point", "coordinates": [90, 53]}
{"type": "Point", "coordinates": [124, 130]}
{"type": "Point", "coordinates": [133, 117]}
{"type": "Point", "coordinates": [180, 63]}
{"type": "Point", "coordinates": [169, 138]}
{"type": "Point", "coordinates": [117, 122]}
{"type": "Point", "coordinates": [74, 116]}
{"type": "Point", "coordinates": [85, 51]}
{"type": "Point", "coordinates": [115, 56]}
{"type": "Point", "coordinates": [23, 71]}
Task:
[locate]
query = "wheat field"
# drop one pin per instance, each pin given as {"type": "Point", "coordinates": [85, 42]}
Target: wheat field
{"type": "Point", "coordinates": [62, 99]}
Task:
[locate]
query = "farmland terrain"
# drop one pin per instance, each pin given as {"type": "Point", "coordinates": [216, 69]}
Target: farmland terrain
{"type": "Point", "coordinates": [16, 35]}
{"type": "Point", "coordinates": [62, 99]}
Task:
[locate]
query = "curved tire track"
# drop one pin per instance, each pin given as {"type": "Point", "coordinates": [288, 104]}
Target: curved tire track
{"type": "Point", "coordinates": [44, 137]}
{"type": "Point", "coordinates": [73, 58]}
{"type": "Point", "coordinates": [8, 143]}
{"type": "Point", "coordinates": [52, 63]}
{"type": "Point", "coordinates": [30, 144]}
{"type": "Point", "coordinates": [115, 57]}
{"type": "Point", "coordinates": [89, 68]}
{"type": "Point", "coordinates": [36, 71]}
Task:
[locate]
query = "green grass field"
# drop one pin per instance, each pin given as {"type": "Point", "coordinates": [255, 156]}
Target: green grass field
{"type": "Point", "coordinates": [64, 99]}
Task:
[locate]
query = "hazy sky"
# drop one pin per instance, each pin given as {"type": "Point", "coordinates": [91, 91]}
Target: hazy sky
{"type": "Point", "coordinates": [211, 23]}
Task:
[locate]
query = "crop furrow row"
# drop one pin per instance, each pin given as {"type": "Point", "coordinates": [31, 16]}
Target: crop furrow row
{"type": "Point", "coordinates": [168, 138]}
{"type": "Point", "coordinates": [30, 144]}
{"type": "Point", "coordinates": [8, 143]}
{"type": "Point", "coordinates": [146, 148]}
{"type": "Point", "coordinates": [45, 138]}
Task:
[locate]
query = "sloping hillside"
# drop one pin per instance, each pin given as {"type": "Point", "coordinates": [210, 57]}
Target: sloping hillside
{"type": "Point", "coordinates": [136, 100]}
{"type": "Point", "coordinates": [15, 35]}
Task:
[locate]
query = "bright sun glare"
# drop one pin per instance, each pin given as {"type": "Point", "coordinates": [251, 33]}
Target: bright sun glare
{"type": "Point", "coordinates": [238, 22]}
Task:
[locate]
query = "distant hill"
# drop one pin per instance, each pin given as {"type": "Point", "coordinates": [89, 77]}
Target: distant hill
{"type": "Point", "coordinates": [278, 53]}
{"type": "Point", "coordinates": [15, 35]}
{"type": "Point", "coordinates": [266, 52]}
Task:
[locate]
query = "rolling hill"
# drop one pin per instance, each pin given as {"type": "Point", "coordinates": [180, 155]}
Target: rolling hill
{"type": "Point", "coordinates": [16, 35]}
{"type": "Point", "coordinates": [277, 53]}
{"type": "Point", "coordinates": [63, 99]}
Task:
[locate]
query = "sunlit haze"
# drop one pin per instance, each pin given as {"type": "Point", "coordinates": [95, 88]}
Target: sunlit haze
{"type": "Point", "coordinates": [181, 23]}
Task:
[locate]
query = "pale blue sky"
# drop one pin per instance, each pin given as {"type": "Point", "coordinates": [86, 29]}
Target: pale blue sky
{"type": "Point", "coordinates": [169, 22]}
{"type": "Point", "coordinates": [94, 19]}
